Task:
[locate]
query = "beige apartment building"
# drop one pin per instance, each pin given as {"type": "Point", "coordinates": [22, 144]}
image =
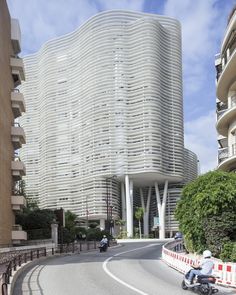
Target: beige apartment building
{"type": "Point", "coordinates": [11, 134]}
{"type": "Point", "coordinates": [225, 63]}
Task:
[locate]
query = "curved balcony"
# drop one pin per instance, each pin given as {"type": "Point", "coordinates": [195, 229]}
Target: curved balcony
{"type": "Point", "coordinates": [17, 70]}
{"type": "Point", "coordinates": [230, 28]}
{"type": "Point", "coordinates": [17, 103]}
{"type": "Point", "coordinates": [18, 169]}
{"type": "Point", "coordinates": [18, 234]}
{"type": "Point", "coordinates": [226, 78]}
{"type": "Point", "coordinates": [225, 117]}
{"type": "Point", "coordinates": [226, 160]}
{"type": "Point", "coordinates": [15, 35]}
{"type": "Point", "coordinates": [17, 136]}
{"type": "Point", "coordinates": [18, 202]}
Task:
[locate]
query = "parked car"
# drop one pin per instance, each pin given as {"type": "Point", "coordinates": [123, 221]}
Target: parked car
{"type": "Point", "coordinates": [178, 236]}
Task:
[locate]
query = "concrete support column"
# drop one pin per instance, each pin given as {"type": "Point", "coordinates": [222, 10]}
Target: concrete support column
{"type": "Point", "coordinates": [123, 202]}
{"type": "Point", "coordinates": [102, 223]}
{"type": "Point", "coordinates": [129, 216]}
{"type": "Point", "coordinates": [146, 211]}
{"type": "Point", "coordinates": [54, 233]}
{"type": "Point", "coordinates": [161, 206]}
{"type": "Point", "coordinates": [131, 187]}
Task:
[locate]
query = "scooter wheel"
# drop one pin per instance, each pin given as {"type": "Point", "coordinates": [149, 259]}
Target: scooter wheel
{"type": "Point", "coordinates": [206, 290]}
{"type": "Point", "coordinates": [184, 287]}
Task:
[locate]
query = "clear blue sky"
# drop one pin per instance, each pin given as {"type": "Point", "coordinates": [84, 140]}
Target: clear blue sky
{"type": "Point", "coordinates": [203, 25]}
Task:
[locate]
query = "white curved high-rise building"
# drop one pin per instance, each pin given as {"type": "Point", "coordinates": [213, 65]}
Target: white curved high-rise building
{"type": "Point", "coordinates": [104, 107]}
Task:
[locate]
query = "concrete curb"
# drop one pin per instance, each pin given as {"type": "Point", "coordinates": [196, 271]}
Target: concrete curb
{"type": "Point", "coordinates": [29, 264]}
{"type": "Point", "coordinates": [24, 267]}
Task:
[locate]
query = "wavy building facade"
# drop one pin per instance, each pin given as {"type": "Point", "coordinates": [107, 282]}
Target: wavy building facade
{"type": "Point", "coordinates": [105, 115]}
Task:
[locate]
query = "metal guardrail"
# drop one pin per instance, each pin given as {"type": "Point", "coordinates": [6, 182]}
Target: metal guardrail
{"type": "Point", "coordinates": [225, 271]}
{"type": "Point", "coordinates": [42, 252]}
{"type": "Point", "coordinates": [17, 261]}
{"type": "Point", "coordinates": [81, 246]}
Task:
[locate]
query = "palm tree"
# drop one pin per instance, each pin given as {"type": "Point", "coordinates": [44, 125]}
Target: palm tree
{"type": "Point", "coordinates": [139, 212]}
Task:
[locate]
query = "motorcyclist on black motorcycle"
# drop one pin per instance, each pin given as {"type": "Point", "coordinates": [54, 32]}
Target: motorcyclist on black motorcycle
{"type": "Point", "coordinates": [103, 244]}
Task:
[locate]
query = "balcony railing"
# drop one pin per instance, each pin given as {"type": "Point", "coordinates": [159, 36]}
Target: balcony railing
{"type": "Point", "coordinates": [222, 108]}
{"type": "Point", "coordinates": [17, 136]}
{"type": "Point", "coordinates": [17, 69]}
{"type": "Point", "coordinates": [233, 101]}
{"type": "Point", "coordinates": [17, 189]}
{"type": "Point", "coordinates": [16, 227]}
{"type": "Point", "coordinates": [220, 113]}
{"type": "Point", "coordinates": [226, 58]}
{"type": "Point", "coordinates": [18, 168]}
{"type": "Point", "coordinates": [18, 234]}
{"type": "Point", "coordinates": [233, 149]}
{"type": "Point", "coordinates": [18, 202]}
{"type": "Point", "coordinates": [231, 14]}
{"type": "Point", "coordinates": [223, 154]}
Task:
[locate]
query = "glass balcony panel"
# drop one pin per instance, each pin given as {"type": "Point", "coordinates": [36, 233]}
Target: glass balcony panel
{"type": "Point", "coordinates": [234, 149]}
{"type": "Point", "coordinates": [223, 154]}
{"type": "Point", "coordinates": [220, 113]}
{"type": "Point", "coordinates": [233, 101]}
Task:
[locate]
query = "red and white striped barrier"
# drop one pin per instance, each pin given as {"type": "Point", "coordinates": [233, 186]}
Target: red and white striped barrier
{"type": "Point", "coordinates": [226, 272]}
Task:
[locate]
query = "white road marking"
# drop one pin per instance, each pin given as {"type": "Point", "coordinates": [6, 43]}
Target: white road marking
{"type": "Point", "coordinates": [119, 280]}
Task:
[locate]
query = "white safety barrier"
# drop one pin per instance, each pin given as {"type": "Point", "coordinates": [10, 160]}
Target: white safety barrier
{"type": "Point", "coordinates": [226, 272]}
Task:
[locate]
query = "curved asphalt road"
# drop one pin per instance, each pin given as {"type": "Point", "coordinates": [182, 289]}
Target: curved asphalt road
{"type": "Point", "coordinates": [133, 268]}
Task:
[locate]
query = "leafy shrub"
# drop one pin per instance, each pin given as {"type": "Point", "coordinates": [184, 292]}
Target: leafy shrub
{"type": "Point", "coordinates": [207, 212]}
{"type": "Point", "coordinates": [233, 254]}
{"type": "Point", "coordinates": [226, 252]}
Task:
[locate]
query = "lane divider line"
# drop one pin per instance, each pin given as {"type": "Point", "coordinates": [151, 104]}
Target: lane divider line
{"type": "Point", "coordinates": [119, 280]}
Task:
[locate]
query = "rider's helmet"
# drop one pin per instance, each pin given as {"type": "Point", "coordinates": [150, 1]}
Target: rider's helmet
{"type": "Point", "coordinates": [207, 254]}
{"type": "Point", "coordinates": [104, 236]}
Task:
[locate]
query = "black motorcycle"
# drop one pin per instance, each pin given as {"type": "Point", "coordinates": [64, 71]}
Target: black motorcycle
{"type": "Point", "coordinates": [103, 247]}
{"type": "Point", "coordinates": [203, 284]}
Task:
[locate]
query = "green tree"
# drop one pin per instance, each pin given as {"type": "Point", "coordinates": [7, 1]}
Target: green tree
{"type": "Point", "coordinates": [208, 207]}
{"type": "Point", "coordinates": [32, 204]}
{"type": "Point", "coordinates": [139, 215]}
{"type": "Point", "coordinates": [120, 223]}
{"type": "Point", "coordinates": [219, 229]}
{"type": "Point", "coordinates": [70, 230]}
{"type": "Point", "coordinates": [36, 222]}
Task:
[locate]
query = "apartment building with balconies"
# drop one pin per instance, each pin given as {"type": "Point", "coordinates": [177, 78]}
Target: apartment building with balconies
{"type": "Point", "coordinates": [105, 116]}
{"type": "Point", "coordinates": [12, 135]}
{"type": "Point", "coordinates": [225, 63]}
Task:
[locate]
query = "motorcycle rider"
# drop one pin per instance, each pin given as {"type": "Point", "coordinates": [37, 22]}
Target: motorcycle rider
{"type": "Point", "coordinates": [104, 242]}
{"type": "Point", "coordinates": [205, 267]}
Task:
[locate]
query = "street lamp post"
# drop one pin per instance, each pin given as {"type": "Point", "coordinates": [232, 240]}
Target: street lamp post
{"type": "Point", "coordinates": [109, 214]}
{"type": "Point", "coordinates": [111, 221]}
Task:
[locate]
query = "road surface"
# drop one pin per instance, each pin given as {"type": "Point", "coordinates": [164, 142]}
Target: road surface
{"type": "Point", "coordinates": [129, 269]}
